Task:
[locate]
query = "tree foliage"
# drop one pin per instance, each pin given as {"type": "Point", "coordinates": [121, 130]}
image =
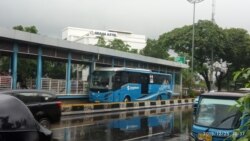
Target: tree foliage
{"type": "Point", "coordinates": [116, 44]}
{"type": "Point", "coordinates": [208, 39]}
{"type": "Point", "coordinates": [243, 104]}
{"type": "Point", "coordinates": [4, 64]}
{"type": "Point", "coordinates": [243, 75]}
{"type": "Point", "coordinates": [231, 45]}
{"type": "Point", "coordinates": [30, 29]}
{"type": "Point", "coordinates": [237, 48]}
{"type": "Point", "coordinates": [154, 49]}
{"type": "Point", "coordinates": [55, 70]}
{"type": "Point", "coordinates": [101, 41]}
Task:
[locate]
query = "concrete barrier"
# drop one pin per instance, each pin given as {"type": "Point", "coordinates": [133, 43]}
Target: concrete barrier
{"type": "Point", "coordinates": [69, 109]}
{"type": "Point", "coordinates": [100, 117]}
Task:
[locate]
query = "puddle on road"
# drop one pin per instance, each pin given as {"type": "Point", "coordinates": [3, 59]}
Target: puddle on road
{"type": "Point", "coordinates": [156, 124]}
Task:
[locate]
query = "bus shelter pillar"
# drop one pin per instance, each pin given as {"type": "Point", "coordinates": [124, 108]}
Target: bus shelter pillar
{"type": "Point", "coordinates": [68, 74]}
{"type": "Point", "coordinates": [14, 66]}
{"type": "Point", "coordinates": [180, 84]}
{"type": "Point", "coordinates": [113, 62]}
{"type": "Point", "coordinates": [124, 63]}
{"type": "Point", "coordinates": [39, 69]}
{"type": "Point", "coordinates": [173, 81]}
{"type": "Point", "coordinates": [91, 69]}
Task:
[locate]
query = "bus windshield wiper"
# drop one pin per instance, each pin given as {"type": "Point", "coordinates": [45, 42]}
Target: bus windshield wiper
{"type": "Point", "coordinates": [225, 119]}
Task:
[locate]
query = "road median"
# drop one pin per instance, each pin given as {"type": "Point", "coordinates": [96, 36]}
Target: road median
{"type": "Point", "coordinates": [91, 108]}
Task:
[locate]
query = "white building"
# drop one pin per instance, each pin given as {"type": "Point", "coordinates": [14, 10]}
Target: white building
{"type": "Point", "coordinates": [89, 36]}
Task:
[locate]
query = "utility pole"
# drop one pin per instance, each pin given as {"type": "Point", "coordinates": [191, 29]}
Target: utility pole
{"type": "Point", "coordinates": [192, 59]}
{"type": "Point", "coordinates": [212, 52]}
{"type": "Point", "coordinates": [213, 11]}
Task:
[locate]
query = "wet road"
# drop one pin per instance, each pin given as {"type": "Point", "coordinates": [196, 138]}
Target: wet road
{"type": "Point", "coordinates": [148, 124]}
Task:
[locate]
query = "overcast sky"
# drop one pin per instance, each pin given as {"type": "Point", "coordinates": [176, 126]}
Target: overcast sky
{"type": "Point", "coordinates": [148, 17]}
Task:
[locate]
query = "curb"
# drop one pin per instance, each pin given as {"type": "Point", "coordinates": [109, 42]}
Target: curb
{"type": "Point", "coordinates": [72, 109]}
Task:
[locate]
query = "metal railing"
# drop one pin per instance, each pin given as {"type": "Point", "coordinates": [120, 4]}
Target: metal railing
{"type": "Point", "coordinates": [58, 86]}
{"type": "Point", "coordinates": [79, 87]}
{"type": "Point", "coordinates": [177, 88]}
{"type": "Point", "coordinates": [5, 82]}
{"type": "Point", "coordinates": [55, 85]}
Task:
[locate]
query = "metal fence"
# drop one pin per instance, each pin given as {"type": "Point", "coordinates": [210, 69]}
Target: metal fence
{"type": "Point", "coordinates": [177, 89]}
{"type": "Point", "coordinates": [5, 82]}
{"type": "Point", "coordinates": [58, 86]}
{"type": "Point", "coordinates": [55, 85]}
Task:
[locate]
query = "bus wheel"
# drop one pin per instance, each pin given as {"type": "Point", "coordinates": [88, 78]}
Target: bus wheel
{"type": "Point", "coordinates": [126, 99]}
{"type": "Point", "coordinates": [158, 97]}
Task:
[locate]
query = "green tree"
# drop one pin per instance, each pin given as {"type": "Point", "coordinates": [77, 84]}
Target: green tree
{"type": "Point", "coordinates": [154, 49]}
{"type": "Point", "coordinates": [237, 50]}
{"type": "Point", "coordinates": [118, 44]}
{"type": "Point", "coordinates": [243, 75]}
{"type": "Point", "coordinates": [30, 29]}
{"type": "Point", "coordinates": [26, 70]}
{"type": "Point", "coordinates": [243, 103]}
{"type": "Point", "coordinates": [209, 39]}
{"type": "Point", "coordinates": [101, 41]}
{"type": "Point", "coordinates": [133, 51]}
{"type": "Point", "coordinates": [4, 64]}
{"type": "Point", "coordinates": [18, 27]}
{"type": "Point", "coordinates": [55, 70]}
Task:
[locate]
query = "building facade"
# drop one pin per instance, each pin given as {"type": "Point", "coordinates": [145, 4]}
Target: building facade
{"type": "Point", "coordinates": [90, 36]}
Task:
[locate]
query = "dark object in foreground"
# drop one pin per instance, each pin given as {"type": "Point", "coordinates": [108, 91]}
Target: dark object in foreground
{"type": "Point", "coordinates": [17, 122]}
{"type": "Point", "coordinates": [44, 105]}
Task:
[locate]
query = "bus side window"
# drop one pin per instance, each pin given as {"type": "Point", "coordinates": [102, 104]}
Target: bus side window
{"type": "Point", "coordinates": [161, 79]}
{"type": "Point", "coordinates": [144, 78]}
{"type": "Point", "coordinates": [157, 79]}
{"type": "Point", "coordinates": [124, 77]}
{"type": "Point", "coordinates": [117, 82]}
{"type": "Point", "coordinates": [133, 77]}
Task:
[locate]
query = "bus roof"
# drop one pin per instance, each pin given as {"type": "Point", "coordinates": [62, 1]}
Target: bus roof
{"type": "Point", "coordinates": [128, 69]}
{"type": "Point", "coordinates": [223, 94]}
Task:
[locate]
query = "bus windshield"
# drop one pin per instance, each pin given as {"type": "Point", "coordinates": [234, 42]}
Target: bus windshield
{"type": "Point", "coordinates": [102, 79]}
{"type": "Point", "coordinates": [218, 113]}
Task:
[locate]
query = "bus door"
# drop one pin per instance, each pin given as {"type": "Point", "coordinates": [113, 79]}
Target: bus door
{"type": "Point", "coordinates": [144, 79]}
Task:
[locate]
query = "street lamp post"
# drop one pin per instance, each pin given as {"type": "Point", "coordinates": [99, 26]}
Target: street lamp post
{"type": "Point", "coordinates": [192, 59]}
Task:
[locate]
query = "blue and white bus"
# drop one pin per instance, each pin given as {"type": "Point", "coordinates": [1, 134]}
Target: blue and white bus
{"type": "Point", "coordinates": [129, 84]}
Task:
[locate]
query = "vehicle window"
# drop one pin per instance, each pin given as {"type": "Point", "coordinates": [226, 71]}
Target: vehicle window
{"type": "Point", "coordinates": [159, 79]}
{"type": "Point", "coordinates": [28, 98]}
{"type": "Point", "coordinates": [101, 79]}
{"type": "Point", "coordinates": [133, 77]}
{"type": "Point", "coordinates": [217, 113]}
{"type": "Point", "coordinates": [119, 79]}
{"type": "Point", "coordinates": [144, 78]}
{"type": "Point", "coordinates": [124, 76]}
